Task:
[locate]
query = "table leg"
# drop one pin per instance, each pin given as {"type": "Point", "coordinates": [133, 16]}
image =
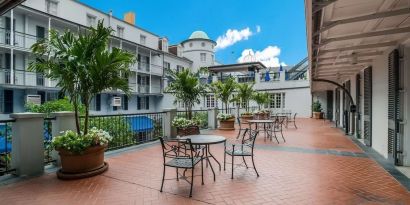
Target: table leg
{"type": "Point", "coordinates": [211, 155]}
{"type": "Point", "coordinates": [209, 162]}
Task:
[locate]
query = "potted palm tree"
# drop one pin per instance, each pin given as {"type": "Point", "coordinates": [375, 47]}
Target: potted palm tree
{"type": "Point", "coordinates": [245, 92]}
{"type": "Point", "coordinates": [223, 91]}
{"type": "Point", "coordinates": [317, 110]}
{"type": "Point", "coordinates": [262, 99]}
{"type": "Point", "coordinates": [186, 89]}
{"type": "Point", "coordinates": [83, 66]}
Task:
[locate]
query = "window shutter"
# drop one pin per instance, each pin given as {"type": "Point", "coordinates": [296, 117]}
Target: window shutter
{"type": "Point", "coordinates": [147, 103]}
{"type": "Point", "coordinates": [125, 105]}
{"type": "Point", "coordinates": [138, 102]}
{"type": "Point", "coordinates": [98, 102]}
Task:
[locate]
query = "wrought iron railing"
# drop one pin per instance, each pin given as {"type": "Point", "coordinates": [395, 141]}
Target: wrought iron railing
{"type": "Point", "coordinates": [48, 137]}
{"type": "Point", "coordinates": [129, 129]}
{"type": "Point", "coordinates": [270, 77]}
{"type": "Point", "coordinates": [199, 115]}
{"type": "Point", "coordinates": [5, 147]}
{"type": "Point", "coordinates": [245, 78]}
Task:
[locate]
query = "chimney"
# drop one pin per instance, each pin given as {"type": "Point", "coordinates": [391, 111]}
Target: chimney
{"type": "Point", "coordinates": [129, 17]}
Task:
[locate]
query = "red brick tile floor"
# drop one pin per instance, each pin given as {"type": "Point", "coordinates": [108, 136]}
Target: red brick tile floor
{"type": "Point", "coordinates": [310, 168]}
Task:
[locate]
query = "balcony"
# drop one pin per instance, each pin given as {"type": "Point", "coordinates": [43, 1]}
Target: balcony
{"type": "Point", "coordinates": [143, 89]}
{"type": "Point", "coordinates": [25, 78]}
{"type": "Point", "coordinates": [21, 40]}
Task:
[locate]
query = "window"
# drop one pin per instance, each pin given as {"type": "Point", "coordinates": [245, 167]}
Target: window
{"type": "Point", "coordinates": [98, 102]}
{"type": "Point", "coordinates": [91, 20]}
{"type": "Point", "coordinates": [167, 65]}
{"type": "Point", "coordinates": [190, 44]}
{"type": "Point", "coordinates": [120, 31]}
{"type": "Point", "coordinates": [277, 100]}
{"type": "Point", "coordinates": [203, 44]}
{"type": "Point", "coordinates": [143, 103]}
{"type": "Point", "coordinates": [203, 57]}
{"type": "Point", "coordinates": [125, 102]}
{"type": "Point", "coordinates": [147, 103]}
{"type": "Point", "coordinates": [180, 68]}
{"type": "Point", "coordinates": [212, 58]}
{"type": "Point", "coordinates": [51, 7]}
{"type": "Point", "coordinates": [143, 39]}
{"type": "Point", "coordinates": [210, 101]}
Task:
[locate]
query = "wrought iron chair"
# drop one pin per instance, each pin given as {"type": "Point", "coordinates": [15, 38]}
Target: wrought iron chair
{"type": "Point", "coordinates": [292, 120]}
{"type": "Point", "coordinates": [277, 127]}
{"type": "Point", "coordinates": [240, 127]}
{"type": "Point", "coordinates": [244, 148]}
{"type": "Point", "coordinates": [180, 153]}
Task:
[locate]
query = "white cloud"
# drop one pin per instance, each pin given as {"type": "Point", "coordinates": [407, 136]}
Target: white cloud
{"type": "Point", "coordinates": [268, 56]}
{"type": "Point", "coordinates": [233, 36]}
{"type": "Point", "coordinates": [258, 29]}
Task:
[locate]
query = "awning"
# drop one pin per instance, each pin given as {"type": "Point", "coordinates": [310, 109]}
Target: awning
{"type": "Point", "coordinates": [141, 124]}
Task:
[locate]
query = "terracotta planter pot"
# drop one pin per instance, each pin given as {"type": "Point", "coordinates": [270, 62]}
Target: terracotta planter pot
{"type": "Point", "coordinates": [318, 115]}
{"type": "Point", "coordinates": [245, 118]}
{"type": "Point", "coordinates": [228, 124]}
{"type": "Point", "coordinates": [91, 159]}
{"type": "Point", "coordinates": [184, 131]}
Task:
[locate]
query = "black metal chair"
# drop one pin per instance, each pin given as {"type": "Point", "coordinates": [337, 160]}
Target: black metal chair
{"type": "Point", "coordinates": [243, 148]}
{"type": "Point", "coordinates": [181, 154]}
{"type": "Point", "coordinates": [292, 120]}
{"type": "Point", "coordinates": [277, 127]}
{"type": "Point", "coordinates": [240, 127]}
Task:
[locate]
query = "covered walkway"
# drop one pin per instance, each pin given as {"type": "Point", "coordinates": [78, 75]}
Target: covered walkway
{"type": "Point", "coordinates": [317, 165]}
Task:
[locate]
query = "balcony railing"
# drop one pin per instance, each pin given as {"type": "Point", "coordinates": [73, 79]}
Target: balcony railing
{"type": "Point", "coordinates": [156, 69]}
{"type": "Point", "coordinates": [273, 77]}
{"type": "Point", "coordinates": [25, 78]}
{"type": "Point", "coordinates": [143, 88]}
{"type": "Point", "coordinates": [22, 40]}
{"type": "Point", "coordinates": [245, 78]}
{"type": "Point", "coordinates": [143, 66]}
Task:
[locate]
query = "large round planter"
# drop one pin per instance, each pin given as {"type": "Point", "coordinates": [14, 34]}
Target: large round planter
{"type": "Point", "coordinates": [86, 164]}
{"type": "Point", "coordinates": [318, 115]}
{"type": "Point", "coordinates": [228, 124]}
{"type": "Point", "coordinates": [245, 118]}
{"type": "Point", "coordinates": [184, 131]}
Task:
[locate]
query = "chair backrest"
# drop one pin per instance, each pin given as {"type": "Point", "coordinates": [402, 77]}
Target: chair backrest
{"type": "Point", "coordinates": [173, 148]}
{"type": "Point", "coordinates": [249, 137]}
{"type": "Point", "coordinates": [294, 116]}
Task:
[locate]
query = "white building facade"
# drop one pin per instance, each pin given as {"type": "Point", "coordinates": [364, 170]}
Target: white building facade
{"type": "Point", "coordinates": [22, 26]}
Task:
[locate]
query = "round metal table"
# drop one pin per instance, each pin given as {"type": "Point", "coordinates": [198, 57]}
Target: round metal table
{"type": "Point", "coordinates": [207, 140]}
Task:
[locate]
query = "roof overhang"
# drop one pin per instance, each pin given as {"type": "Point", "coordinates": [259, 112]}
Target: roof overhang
{"type": "Point", "coordinates": [345, 36]}
{"type": "Point", "coordinates": [6, 5]}
{"type": "Point", "coordinates": [238, 67]}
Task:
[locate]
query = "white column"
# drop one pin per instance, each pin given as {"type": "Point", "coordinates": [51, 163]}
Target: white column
{"type": "Point", "coordinates": [169, 130]}
{"type": "Point", "coordinates": [257, 77]}
{"type": "Point", "coordinates": [150, 75]}
{"type": "Point", "coordinates": [212, 121]}
{"type": "Point", "coordinates": [48, 29]}
{"type": "Point", "coordinates": [28, 143]}
{"type": "Point", "coordinates": [63, 121]}
{"type": "Point", "coordinates": [25, 29]}
{"type": "Point", "coordinates": [282, 76]}
{"type": "Point", "coordinates": [12, 43]}
{"type": "Point", "coordinates": [136, 69]}
{"type": "Point", "coordinates": [12, 66]}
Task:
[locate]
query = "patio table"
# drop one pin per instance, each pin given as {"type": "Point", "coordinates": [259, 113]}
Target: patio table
{"type": "Point", "coordinates": [265, 123]}
{"type": "Point", "coordinates": [207, 140]}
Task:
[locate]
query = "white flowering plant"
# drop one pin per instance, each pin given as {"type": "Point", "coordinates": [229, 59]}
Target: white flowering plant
{"type": "Point", "coordinates": [262, 111]}
{"type": "Point", "coordinates": [182, 122]}
{"type": "Point", "coordinates": [73, 142]}
{"type": "Point", "coordinates": [224, 116]}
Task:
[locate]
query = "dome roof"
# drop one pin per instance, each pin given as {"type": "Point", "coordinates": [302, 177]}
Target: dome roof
{"type": "Point", "coordinates": [199, 35]}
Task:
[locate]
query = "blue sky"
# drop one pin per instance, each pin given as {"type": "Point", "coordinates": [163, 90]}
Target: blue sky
{"type": "Point", "coordinates": [275, 28]}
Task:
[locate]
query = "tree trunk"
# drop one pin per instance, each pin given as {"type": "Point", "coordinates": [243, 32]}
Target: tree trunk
{"type": "Point", "coordinates": [77, 123]}
{"type": "Point", "coordinates": [87, 110]}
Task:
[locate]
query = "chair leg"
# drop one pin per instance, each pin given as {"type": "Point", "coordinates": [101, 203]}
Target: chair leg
{"type": "Point", "coordinates": [254, 167]}
{"type": "Point", "coordinates": [294, 122]}
{"type": "Point", "coordinates": [192, 182]}
{"type": "Point", "coordinates": [281, 133]}
{"type": "Point", "coordinates": [224, 158]}
{"type": "Point", "coordinates": [177, 174]}
{"type": "Point", "coordinates": [232, 166]}
{"type": "Point", "coordinates": [202, 171]}
{"type": "Point", "coordinates": [244, 161]}
{"type": "Point", "coordinates": [163, 179]}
